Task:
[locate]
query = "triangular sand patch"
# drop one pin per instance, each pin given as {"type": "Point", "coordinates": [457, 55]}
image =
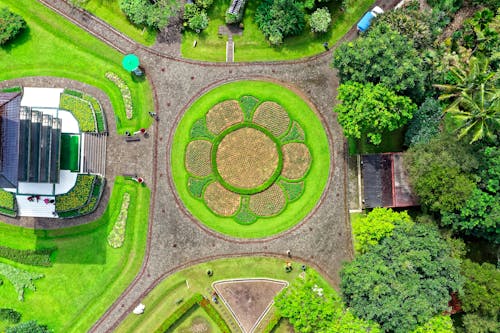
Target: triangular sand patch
{"type": "Point", "coordinates": [248, 299]}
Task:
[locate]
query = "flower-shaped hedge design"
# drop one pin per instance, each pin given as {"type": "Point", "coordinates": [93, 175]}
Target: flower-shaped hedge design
{"type": "Point", "coordinates": [247, 159]}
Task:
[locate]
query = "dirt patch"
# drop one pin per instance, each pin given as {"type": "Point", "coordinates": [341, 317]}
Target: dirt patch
{"type": "Point", "coordinates": [268, 202]}
{"type": "Point", "coordinates": [296, 160]}
{"type": "Point", "coordinates": [220, 200]}
{"type": "Point", "coordinates": [249, 299]}
{"type": "Point", "coordinates": [223, 115]}
{"type": "Point", "coordinates": [198, 159]}
{"type": "Point", "coordinates": [247, 158]}
{"type": "Point", "coordinates": [273, 117]}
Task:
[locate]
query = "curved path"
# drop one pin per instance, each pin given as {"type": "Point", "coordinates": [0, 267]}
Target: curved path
{"type": "Point", "coordinates": [175, 239]}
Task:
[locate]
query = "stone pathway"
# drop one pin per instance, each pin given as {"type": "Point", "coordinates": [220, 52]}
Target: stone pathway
{"type": "Point", "coordinates": [175, 239]}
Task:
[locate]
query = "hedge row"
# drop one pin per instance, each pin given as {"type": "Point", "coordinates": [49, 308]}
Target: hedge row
{"type": "Point", "coordinates": [92, 201]}
{"type": "Point", "coordinates": [7, 200]}
{"type": "Point", "coordinates": [38, 257]}
{"type": "Point", "coordinates": [100, 125]}
{"type": "Point", "coordinates": [215, 315]}
{"type": "Point", "coordinates": [78, 196]}
{"type": "Point", "coordinates": [81, 109]}
{"type": "Point", "coordinates": [179, 312]}
{"type": "Point", "coordinates": [273, 322]}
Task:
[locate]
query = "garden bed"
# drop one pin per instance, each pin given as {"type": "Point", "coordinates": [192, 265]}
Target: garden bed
{"type": "Point", "coordinates": [82, 199]}
{"type": "Point", "coordinates": [8, 203]}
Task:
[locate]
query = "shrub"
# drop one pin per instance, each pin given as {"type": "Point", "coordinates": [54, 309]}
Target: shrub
{"type": "Point", "coordinates": [28, 327]}
{"type": "Point", "coordinates": [190, 10]}
{"type": "Point", "coordinates": [232, 18]}
{"type": "Point", "coordinates": [117, 235]}
{"type": "Point", "coordinates": [152, 14]}
{"type": "Point", "coordinates": [11, 24]}
{"type": "Point", "coordinates": [179, 312]}
{"type": "Point", "coordinates": [278, 19]}
{"type": "Point", "coordinates": [98, 112]}
{"type": "Point", "coordinates": [38, 257]}
{"type": "Point", "coordinates": [216, 317]}
{"type": "Point", "coordinates": [125, 91]}
{"type": "Point", "coordinates": [10, 315]}
{"type": "Point", "coordinates": [205, 4]}
{"type": "Point", "coordinates": [78, 196]}
{"type": "Point", "coordinates": [7, 199]}
{"type": "Point", "coordinates": [425, 123]}
{"type": "Point", "coordinates": [19, 278]}
{"type": "Point", "coordinates": [320, 20]}
{"type": "Point", "coordinates": [199, 21]}
{"type": "Point", "coordinates": [81, 109]}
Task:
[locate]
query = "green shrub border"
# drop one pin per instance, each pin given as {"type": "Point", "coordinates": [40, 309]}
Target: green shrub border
{"type": "Point", "coordinates": [315, 138]}
{"type": "Point", "coordinates": [215, 145]}
{"type": "Point", "coordinates": [38, 257]}
{"type": "Point", "coordinates": [99, 115]}
{"type": "Point", "coordinates": [98, 186]}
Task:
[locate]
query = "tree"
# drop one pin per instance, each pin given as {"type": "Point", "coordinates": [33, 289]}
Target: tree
{"type": "Point", "coordinates": [152, 14]}
{"type": "Point", "coordinates": [320, 20]}
{"type": "Point", "coordinates": [425, 123]}
{"type": "Point", "coordinates": [437, 324]}
{"type": "Point", "coordinates": [278, 19]}
{"type": "Point", "coordinates": [440, 173]}
{"type": "Point", "coordinates": [368, 109]}
{"type": "Point", "coordinates": [28, 327]}
{"type": "Point", "coordinates": [199, 21]}
{"type": "Point", "coordinates": [11, 24]}
{"type": "Point", "coordinates": [382, 56]}
{"type": "Point", "coordinates": [404, 281]}
{"type": "Point", "coordinates": [376, 225]}
{"type": "Point", "coordinates": [481, 297]}
{"type": "Point", "coordinates": [475, 99]}
{"type": "Point", "coordinates": [312, 306]}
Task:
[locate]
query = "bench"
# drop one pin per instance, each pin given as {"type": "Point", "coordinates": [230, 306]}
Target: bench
{"type": "Point", "coordinates": [132, 138]}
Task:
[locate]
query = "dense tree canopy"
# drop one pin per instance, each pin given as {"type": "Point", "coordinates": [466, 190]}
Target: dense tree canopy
{"type": "Point", "coordinates": [312, 306]}
{"type": "Point", "coordinates": [153, 14]}
{"type": "Point", "coordinates": [382, 56]}
{"type": "Point", "coordinates": [481, 297]}
{"type": "Point", "coordinates": [425, 123]}
{"type": "Point", "coordinates": [437, 324]}
{"type": "Point", "coordinates": [376, 225]}
{"type": "Point", "coordinates": [11, 24]}
{"type": "Point", "coordinates": [370, 110]}
{"type": "Point", "coordinates": [404, 281]}
{"type": "Point", "coordinates": [278, 19]}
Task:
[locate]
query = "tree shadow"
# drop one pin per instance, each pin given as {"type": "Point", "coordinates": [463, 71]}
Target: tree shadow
{"type": "Point", "coordinates": [23, 37]}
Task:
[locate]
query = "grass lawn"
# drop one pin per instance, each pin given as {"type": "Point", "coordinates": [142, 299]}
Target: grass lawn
{"type": "Point", "coordinates": [355, 217]}
{"type": "Point", "coordinates": [70, 152]}
{"type": "Point", "coordinates": [110, 12]}
{"type": "Point", "coordinates": [391, 142]}
{"type": "Point", "coordinates": [315, 139]}
{"type": "Point", "coordinates": [161, 301]}
{"type": "Point", "coordinates": [87, 274]}
{"type": "Point", "coordinates": [194, 317]}
{"type": "Point", "coordinates": [52, 46]}
{"type": "Point", "coordinates": [253, 46]}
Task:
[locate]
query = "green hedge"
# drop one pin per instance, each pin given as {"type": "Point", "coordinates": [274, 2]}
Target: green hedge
{"type": "Point", "coordinates": [273, 322]}
{"type": "Point", "coordinates": [78, 196]}
{"type": "Point", "coordinates": [38, 257]}
{"type": "Point", "coordinates": [179, 312]}
{"type": "Point", "coordinates": [100, 118]}
{"type": "Point", "coordinates": [92, 201]}
{"type": "Point", "coordinates": [81, 109]}
{"type": "Point", "coordinates": [10, 315]}
{"type": "Point", "coordinates": [216, 317]}
{"type": "Point", "coordinates": [7, 199]}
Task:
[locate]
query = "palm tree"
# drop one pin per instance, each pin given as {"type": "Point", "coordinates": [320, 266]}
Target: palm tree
{"type": "Point", "coordinates": [475, 99]}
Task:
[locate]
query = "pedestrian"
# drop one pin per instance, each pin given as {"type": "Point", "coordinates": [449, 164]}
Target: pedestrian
{"type": "Point", "coordinates": [288, 253]}
{"type": "Point", "coordinates": [52, 201]}
{"type": "Point", "coordinates": [46, 200]}
{"type": "Point", "coordinates": [325, 45]}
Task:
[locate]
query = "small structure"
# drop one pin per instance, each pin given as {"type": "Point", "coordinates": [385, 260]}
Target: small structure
{"type": "Point", "coordinates": [139, 309]}
{"type": "Point", "coordinates": [234, 13]}
{"type": "Point", "coordinates": [131, 63]}
{"type": "Point", "coordinates": [385, 181]}
{"type": "Point", "coordinates": [366, 20]}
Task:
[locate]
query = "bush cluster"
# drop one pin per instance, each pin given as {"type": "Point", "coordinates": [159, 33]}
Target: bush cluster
{"type": "Point", "coordinates": [151, 14]}
{"type": "Point", "coordinates": [10, 315]}
{"type": "Point", "coordinates": [81, 109]}
{"type": "Point", "coordinates": [38, 257]}
{"type": "Point", "coordinates": [195, 15]}
{"type": "Point", "coordinates": [78, 196]}
{"type": "Point", "coordinates": [216, 317]}
{"type": "Point", "coordinates": [278, 19]}
{"type": "Point", "coordinates": [11, 24]}
{"type": "Point", "coordinates": [117, 235]}
{"type": "Point", "coordinates": [320, 20]}
{"type": "Point", "coordinates": [7, 199]}
{"type": "Point", "coordinates": [125, 91]}
{"type": "Point", "coordinates": [179, 312]}
{"type": "Point", "coordinates": [19, 278]}
{"type": "Point", "coordinates": [92, 201]}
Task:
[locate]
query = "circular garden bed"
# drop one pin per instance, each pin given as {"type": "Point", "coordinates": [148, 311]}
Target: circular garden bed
{"type": "Point", "coordinates": [250, 159]}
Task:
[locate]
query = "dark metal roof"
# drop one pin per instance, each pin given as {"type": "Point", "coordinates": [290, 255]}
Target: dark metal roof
{"type": "Point", "coordinates": [9, 138]}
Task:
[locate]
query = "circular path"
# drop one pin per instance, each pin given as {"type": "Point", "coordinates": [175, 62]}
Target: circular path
{"type": "Point", "coordinates": [175, 240]}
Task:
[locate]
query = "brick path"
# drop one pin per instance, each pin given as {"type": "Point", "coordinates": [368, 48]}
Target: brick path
{"type": "Point", "coordinates": [175, 239]}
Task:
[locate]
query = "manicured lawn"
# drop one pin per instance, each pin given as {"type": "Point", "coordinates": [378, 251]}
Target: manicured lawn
{"type": "Point", "coordinates": [52, 46]}
{"type": "Point", "coordinates": [70, 152]}
{"type": "Point", "coordinates": [195, 317]}
{"type": "Point", "coordinates": [161, 301]}
{"type": "Point", "coordinates": [253, 46]}
{"type": "Point", "coordinates": [87, 274]}
{"type": "Point", "coordinates": [110, 12]}
{"type": "Point", "coordinates": [315, 139]}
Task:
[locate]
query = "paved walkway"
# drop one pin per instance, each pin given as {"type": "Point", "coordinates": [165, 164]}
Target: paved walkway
{"type": "Point", "coordinates": [175, 239]}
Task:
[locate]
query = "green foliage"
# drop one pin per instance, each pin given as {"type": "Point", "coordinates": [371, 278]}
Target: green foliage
{"type": "Point", "coordinates": [273, 322]}
{"type": "Point", "coordinates": [440, 173]}
{"type": "Point", "coordinates": [425, 123]}
{"type": "Point", "coordinates": [312, 306]}
{"type": "Point", "coordinates": [293, 191]}
{"type": "Point", "coordinates": [248, 104]}
{"type": "Point", "coordinates": [198, 21]}
{"type": "Point", "coordinates": [98, 112]}
{"type": "Point", "coordinates": [278, 19]}
{"type": "Point", "coordinates": [295, 134]}
{"type": "Point", "coordinates": [28, 327]}
{"type": "Point", "coordinates": [200, 130]}
{"type": "Point", "coordinates": [38, 257]}
{"type": "Point", "coordinates": [11, 24]}
{"type": "Point", "coordinates": [320, 20]}
{"type": "Point", "coordinates": [179, 312]}
{"type": "Point", "coordinates": [480, 297]}
{"type": "Point", "coordinates": [196, 186]}
{"type": "Point", "coordinates": [448, 6]}
{"type": "Point", "coordinates": [480, 33]}
{"type": "Point", "coordinates": [152, 14]}
{"type": "Point", "coordinates": [81, 109]}
{"type": "Point", "coordinates": [117, 235]}
{"type": "Point", "coordinates": [382, 56]}
{"type": "Point", "coordinates": [125, 91]}
{"type": "Point", "coordinates": [7, 199]}
{"type": "Point", "coordinates": [190, 10]}
{"type": "Point", "coordinates": [370, 110]}
{"type": "Point", "coordinates": [19, 278]}
{"type": "Point", "coordinates": [404, 281]}
{"type": "Point", "coordinates": [216, 317]}
{"type": "Point", "coordinates": [375, 226]}
{"type": "Point", "coordinates": [437, 324]}
{"type": "Point", "coordinates": [245, 215]}
{"type": "Point", "coordinates": [10, 315]}
{"type": "Point", "coordinates": [205, 4]}
{"type": "Point", "coordinates": [78, 195]}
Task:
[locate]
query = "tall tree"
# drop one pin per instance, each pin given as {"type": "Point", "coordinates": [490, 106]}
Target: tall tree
{"type": "Point", "coordinates": [278, 19]}
{"type": "Point", "coordinates": [370, 110]}
{"type": "Point", "coordinates": [11, 24]}
{"type": "Point", "coordinates": [404, 281]}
